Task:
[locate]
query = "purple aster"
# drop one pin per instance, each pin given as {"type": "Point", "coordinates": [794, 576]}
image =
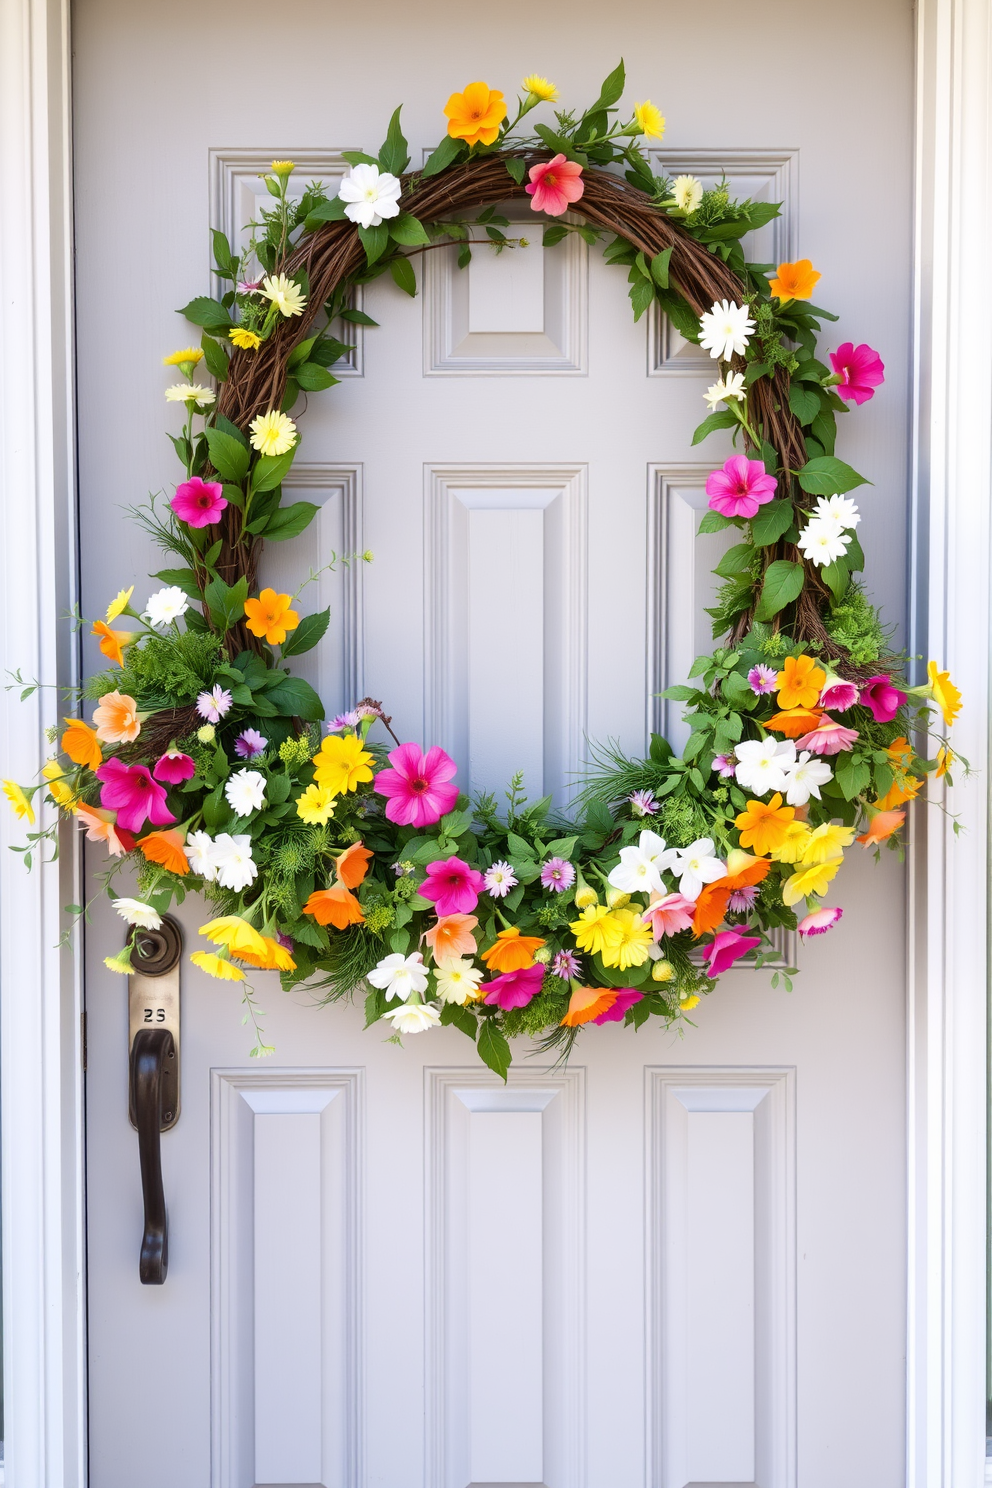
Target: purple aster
{"type": "Point", "coordinates": [724, 765]}
{"type": "Point", "coordinates": [565, 965]}
{"type": "Point", "coordinates": [214, 704]}
{"type": "Point", "coordinates": [762, 679]}
{"type": "Point", "coordinates": [343, 721]}
{"type": "Point", "coordinates": [642, 803]}
{"type": "Point", "coordinates": [557, 875]}
{"type": "Point", "coordinates": [500, 879]}
{"type": "Point", "coordinates": [249, 743]}
{"type": "Point", "coordinates": [742, 900]}
{"type": "Point", "coordinates": [249, 286]}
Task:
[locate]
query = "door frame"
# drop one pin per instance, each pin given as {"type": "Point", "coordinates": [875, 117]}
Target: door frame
{"type": "Point", "coordinates": [41, 1035]}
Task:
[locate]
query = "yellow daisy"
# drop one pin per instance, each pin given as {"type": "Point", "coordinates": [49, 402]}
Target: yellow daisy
{"type": "Point", "coordinates": [283, 167]}
{"type": "Point", "coordinates": [23, 809]}
{"type": "Point", "coordinates": [61, 793]}
{"type": "Point", "coordinates": [630, 947]}
{"type": "Point", "coordinates": [540, 87]}
{"type": "Point", "coordinates": [316, 805]}
{"type": "Point", "coordinates": [191, 354]}
{"type": "Point", "coordinates": [119, 605]}
{"type": "Point", "coordinates": [650, 119]}
{"type": "Point", "coordinates": [245, 339]}
{"type": "Point", "coordinates": [235, 933]}
{"type": "Point", "coordinates": [595, 929]}
{"type": "Point", "coordinates": [272, 433]}
{"type": "Point", "coordinates": [217, 966]}
{"type": "Point", "coordinates": [342, 764]}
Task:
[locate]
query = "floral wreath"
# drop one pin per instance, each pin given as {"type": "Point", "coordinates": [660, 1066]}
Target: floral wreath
{"type": "Point", "coordinates": [346, 863]}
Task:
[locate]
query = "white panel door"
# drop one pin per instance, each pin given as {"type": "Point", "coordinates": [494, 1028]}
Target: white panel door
{"type": "Point", "coordinates": [676, 1262]}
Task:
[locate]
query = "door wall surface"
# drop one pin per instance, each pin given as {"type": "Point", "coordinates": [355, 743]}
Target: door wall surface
{"type": "Point", "coordinates": [677, 1261]}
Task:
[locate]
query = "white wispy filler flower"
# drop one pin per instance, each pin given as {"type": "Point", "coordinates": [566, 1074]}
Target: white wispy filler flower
{"type": "Point", "coordinates": [688, 193]}
{"type": "Point", "coordinates": [400, 976]}
{"type": "Point", "coordinates": [371, 195]}
{"type": "Point", "coordinates": [823, 541]}
{"type": "Point", "coordinates": [285, 294]}
{"type": "Point", "coordinates": [164, 606]}
{"type": "Point", "coordinates": [729, 389]}
{"type": "Point", "coordinates": [138, 913]}
{"type": "Point", "coordinates": [725, 330]}
{"type": "Point", "coordinates": [190, 392]}
{"type": "Point", "coordinates": [233, 861]}
{"type": "Point", "coordinates": [412, 1017]}
{"type": "Point", "coordinates": [245, 792]}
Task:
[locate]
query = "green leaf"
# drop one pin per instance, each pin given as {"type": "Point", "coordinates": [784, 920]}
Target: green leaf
{"type": "Point", "coordinates": [736, 560]}
{"type": "Point", "coordinates": [409, 231]}
{"type": "Point", "coordinates": [295, 698]}
{"type": "Point", "coordinates": [659, 267]}
{"type": "Point", "coordinates": [493, 1048]}
{"type": "Point", "coordinates": [804, 403]}
{"type": "Point", "coordinates": [394, 155]}
{"type": "Point", "coordinates": [375, 241]}
{"type": "Point", "coordinates": [783, 583]}
{"type": "Point", "coordinates": [660, 749]}
{"type": "Point", "coordinates": [223, 257]}
{"type": "Point", "coordinates": [724, 419]}
{"type": "Point", "coordinates": [205, 312]}
{"type": "Point", "coordinates": [641, 296]}
{"type": "Point", "coordinates": [714, 521]}
{"type": "Point", "coordinates": [314, 378]}
{"type": "Point", "coordinates": [183, 578]}
{"type": "Point", "coordinates": [226, 427]}
{"type": "Point", "coordinates": [403, 275]}
{"type": "Point", "coordinates": [326, 211]}
{"type": "Point", "coordinates": [226, 603]}
{"type": "Point", "coordinates": [828, 476]}
{"type": "Point", "coordinates": [852, 775]}
{"type": "Point", "coordinates": [459, 1017]}
{"type": "Point", "coordinates": [228, 457]}
{"type": "Point", "coordinates": [290, 521]}
{"type": "Point", "coordinates": [446, 154]}
{"type": "Point", "coordinates": [214, 356]}
{"type": "Point", "coordinates": [611, 90]}
{"type": "Point", "coordinates": [836, 576]}
{"type": "Point", "coordinates": [358, 317]}
{"type": "Point", "coordinates": [517, 168]}
{"type": "Point", "coordinates": [854, 557]}
{"type": "Point", "coordinates": [770, 521]}
{"type": "Point", "coordinates": [271, 470]}
{"type": "Point", "coordinates": [553, 234]}
{"type": "Point", "coordinates": [307, 633]}
{"type": "Point", "coordinates": [358, 157]}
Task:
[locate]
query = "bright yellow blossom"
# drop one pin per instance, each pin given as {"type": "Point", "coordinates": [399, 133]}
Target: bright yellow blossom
{"type": "Point", "coordinates": [595, 929]}
{"type": "Point", "coordinates": [316, 805]}
{"type": "Point", "coordinates": [632, 938]}
{"type": "Point", "coordinates": [23, 809]}
{"type": "Point", "coordinates": [794, 844]}
{"type": "Point", "coordinates": [810, 881]}
{"type": "Point", "coordinates": [61, 793]}
{"type": "Point", "coordinates": [944, 693]}
{"type": "Point", "coordinates": [235, 933]}
{"type": "Point", "coordinates": [245, 339]}
{"type": "Point", "coordinates": [342, 764]}
{"type": "Point", "coordinates": [283, 167]}
{"type": "Point", "coordinates": [540, 87]}
{"type": "Point", "coordinates": [217, 966]}
{"type": "Point", "coordinates": [191, 354]}
{"type": "Point", "coordinates": [826, 842]}
{"type": "Point", "coordinates": [119, 605]}
{"type": "Point", "coordinates": [650, 118]}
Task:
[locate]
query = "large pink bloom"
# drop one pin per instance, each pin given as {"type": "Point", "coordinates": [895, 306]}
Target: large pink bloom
{"type": "Point", "coordinates": [199, 503]}
{"type": "Point", "coordinates": [881, 699]}
{"type": "Point", "coordinates": [514, 988]}
{"type": "Point", "coordinates": [453, 886]}
{"type": "Point", "coordinates": [136, 797]}
{"type": "Point", "coordinates": [554, 184]}
{"type": "Point", "coordinates": [861, 371]}
{"type": "Point", "coordinates": [838, 695]}
{"type": "Point", "coordinates": [174, 767]}
{"type": "Point", "coordinates": [740, 487]}
{"type": "Point", "coordinates": [616, 1010]}
{"type": "Point", "coordinates": [416, 787]}
{"type": "Point", "coordinates": [829, 737]}
{"type": "Point", "coordinates": [668, 914]}
{"type": "Point", "coordinates": [728, 947]}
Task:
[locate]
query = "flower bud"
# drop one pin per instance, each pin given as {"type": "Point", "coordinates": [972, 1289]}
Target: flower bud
{"type": "Point", "coordinates": [206, 734]}
{"type": "Point", "coordinates": [662, 971]}
{"type": "Point", "coordinates": [584, 896]}
{"type": "Point", "coordinates": [543, 955]}
{"type": "Point", "coordinates": [616, 898]}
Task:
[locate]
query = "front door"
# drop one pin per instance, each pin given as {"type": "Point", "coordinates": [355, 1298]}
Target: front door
{"type": "Point", "coordinates": [676, 1261]}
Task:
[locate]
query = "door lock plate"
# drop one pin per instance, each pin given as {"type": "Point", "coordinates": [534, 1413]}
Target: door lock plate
{"type": "Point", "coordinates": [153, 1002]}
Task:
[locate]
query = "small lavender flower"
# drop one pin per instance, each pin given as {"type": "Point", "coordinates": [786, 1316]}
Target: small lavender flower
{"type": "Point", "coordinates": [404, 868]}
{"type": "Point", "coordinates": [249, 286]}
{"type": "Point", "coordinates": [557, 874]}
{"type": "Point", "coordinates": [214, 704]}
{"type": "Point", "coordinates": [500, 879]}
{"type": "Point", "coordinates": [249, 743]}
{"type": "Point", "coordinates": [742, 900]}
{"type": "Point", "coordinates": [343, 721]}
{"type": "Point", "coordinates": [724, 765]}
{"type": "Point", "coordinates": [642, 803]}
{"type": "Point", "coordinates": [565, 965]}
{"type": "Point", "coordinates": [762, 679]}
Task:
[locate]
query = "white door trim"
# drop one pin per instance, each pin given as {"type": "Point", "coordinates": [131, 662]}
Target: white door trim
{"type": "Point", "coordinates": [40, 1082]}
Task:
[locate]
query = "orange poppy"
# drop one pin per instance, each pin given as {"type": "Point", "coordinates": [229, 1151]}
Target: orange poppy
{"type": "Point", "coordinates": [270, 616]}
{"type": "Point", "coordinates": [452, 937]}
{"type": "Point", "coordinates": [764, 825]}
{"type": "Point", "coordinates": [512, 951]}
{"type": "Point", "coordinates": [800, 682]}
{"type": "Point", "coordinates": [795, 721]}
{"type": "Point", "coordinates": [353, 864]}
{"type": "Point", "coordinates": [795, 281]}
{"type": "Point", "coordinates": [881, 827]}
{"type": "Point", "coordinates": [475, 114]}
{"type": "Point", "coordinates": [337, 906]}
{"type": "Point", "coordinates": [116, 719]}
{"type": "Point", "coordinates": [587, 1003]}
{"type": "Point", "coordinates": [166, 848]}
{"type": "Point", "coordinates": [112, 642]}
{"type": "Point", "coordinates": [81, 745]}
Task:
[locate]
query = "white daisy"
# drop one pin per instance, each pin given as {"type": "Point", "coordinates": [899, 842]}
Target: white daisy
{"type": "Point", "coordinates": [688, 193]}
{"type": "Point", "coordinates": [762, 763]}
{"type": "Point", "coordinates": [500, 879]}
{"type": "Point", "coordinates": [412, 1017]}
{"type": "Point", "coordinates": [400, 976]}
{"type": "Point", "coordinates": [285, 294]}
{"type": "Point", "coordinates": [822, 542]}
{"type": "Point", "coordinates": [728, 389]}
{"type": "Point", "coordinates": [371, 195]}
{"type": "Point", "coordinates": [233, 861]}
{"type": "Point", "coordinates": [458, 981]}
{"type": "Point", "coordinates": [164, 606]}
{"type": "Point", "coordinates": [725, 329]}
{"type": "Point", "coordinates": [138, 913]}
{"type": "Point", "coordinates": [696, 865]}
{"type": "Point", "coordinates": [804, 778]}
{"type": "Point", "coordinates": [199, 850]}
{"type": "Point", "coordinates": [190, 392]}
{"type": "Point", "coordinates": [245, 792]}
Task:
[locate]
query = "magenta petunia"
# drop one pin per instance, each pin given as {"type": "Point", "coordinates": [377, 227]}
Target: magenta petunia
{"type": "Point", "coordinates": [860, 369]}
{"type": "Point", "coordinates": [838, 695]}
{"type": "Point", "coordinates": [625, 999]}
{"type": "Point", "coordinates": [740, 487]}
{"type": "Point", "coordinates": [417, 787]}
{"type": "Point", "coordinates": [554, 185]}
{"type": "Point", "coordinates": [514, 989]}
{"type": "Point", "coordinates": [174, 767]}
{"type": "Point", "coordinates": [199, 503]}
{"type": "Point", "coordinates": [452, 885]}
{"type": "Point", "coordinates": [726, 948]}
{"type": "Point", "coordinates": [882, 700]}
{"type": "Point", "coordinates": [133, 794]}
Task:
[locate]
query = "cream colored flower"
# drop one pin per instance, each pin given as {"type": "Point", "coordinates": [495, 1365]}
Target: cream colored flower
{"type": "Point", "coordinates": [190, 392]}
{"type": "Point", "coordinates": [688, 193]}
{"type": "Point", "coordinates": [287, 296]}
{"type": "Point", "coordinates": [729, 389]}
{"type": "Point", "coordinates": [272, 433]}
{"type": "Point", "coordinates": [458, 981]}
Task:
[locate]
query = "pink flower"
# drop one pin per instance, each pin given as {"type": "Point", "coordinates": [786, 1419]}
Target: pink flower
{"type": "Point", "coordinates": [453, 886]}
{"type": "Point", "coordinates": [829, 737]}
{"type": "Point", "coordinates": [762, 679]}
{"type": "Point", "coordinates": [249, 743]}
{"type": "Point", "coordinates": [565, 965]}
{"type": "Point", "coordinates": [616, 1011]}
{"type": "Point", "coordinates": [642, 803]}
{"type": "Point", "coordinates": [131, 791]}
{"type": "Point", "coordinates": [838, 695]}
{"type": "Point", "coordinates": [669, 914]}
{"type": "Point", "coordinates": [742, 900]}
{"type": "Point", "coordinates": [860, 369]}
{"type": "Point", "coordinates": [199, 503]}
{"type": "Point", "coordinates": [514, 989]}
{"type": "Point", "coordinates": [726, 948]}
{"type": "Point", "coordinates": [882, 700]}
{"type": "Point", "coordinates": [740, 487]}
{"type": "Point", "coordinates": [819, 922]}
{"type": "Point", "coordinates": [343, 721]}
{"type": "Point", "coordinates": [557, 875]}
{"type": "Point", "coordinates": [724, 765]}
{"type": "Point", "coordinates": [554, 184]}
{"type": "Point", "coordinates": [214, 704]}
{"type": "Point", "coordinates": [174, 767]}
{"type": "Point", "coordinates": [417, 789]}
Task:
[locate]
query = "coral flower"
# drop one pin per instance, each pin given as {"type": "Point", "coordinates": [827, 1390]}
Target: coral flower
{"type": "Point", "coordinates": [199, 503]}
{"type": "Point", "coordinates": [795, 281]}
{"type": "Point", "coordinates": [881, 699]}
{"type": "Point", "coordinates": [475, 115]}
{"type": "Point", "coordinates": [624, 999]}
{"type": "Point", "coordinates": [794, 721]}
{"type": "Point", "coordinates": [740, 487]}
{"type": "Point", "coordinates": [81, 745]}
{"type": "Point", "coordinates": [860, 369]}
{"type": "Point", "coordinates": [800, 683]}
{"type": "Point", "coordinates": [453, 886]}
{"type": "Point", "coordinates": [352, 865]}
{"type": "Point", "coordinates": [512, 951]}
{"type": "Point", "coordinates": [726, 948]}
{"type": "Point", "coordinates": [452, 937]}
{"type": "Point", "coordinates": [667, 914]}
{"type": "Point", "coordinates": [166, 848]}
{"type": "Point", "coordinates": [554, 184]}
{"type": "Point", "coordinates": [819, 922]}
{"type": "Point", "coordinates": [136, 797]}
{"type": "Point", "coordinates": [112, 642]}
{"type": "Point", "coordinates": [743, 872]}
{"type": "Point", "coordinates": [711, 907]}
{"type": "Point", "coordinates": [270, 616]}
{"type": "Point", "coordinates": [829, 737]}
{"type": "Point", "coordinates": [881, 827]}
{"type": "Point", "coordinates": [337, 906]}
{"type": "Point", "coordinates": [418, 787]}
{"type": "Point", "coordinates": [944, 693]}
{"type": "Point", "coordinates": [587, 1003]}
{"type": "Point", "coordinates": [514, 988]}
{"type": "Point", "coordinates": [342, 763]}
{"type": "Point", "coordinates": [174, 767]}
{"type": "Point", "coordinates": [764, 825]}
{"type": "Point", "coordinates": [101, 826]}
{"type": "Point", "coordinates": [116, 719]}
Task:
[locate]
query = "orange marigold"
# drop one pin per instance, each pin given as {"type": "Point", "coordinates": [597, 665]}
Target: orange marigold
{"type": "Point", "coordinates": [476, 114]}
{"type": "Point", "coordinates": [763, 825]}
{"type": "Point", "coordinates": [80, 743]}
{"type": "Point", "coordinates": [512, 951]}
{"type": "Point", "coordinates": [270, 616]}
{"type": "Point", "coordinates": [795, 281]}
{"type": "Point", "coordinates": [337, 906]}
{"type": "Point", "coordinates": [587, 1003]}
{"type": "Point", "coordinates": [795, 721]}
{"type": "Point", "coordinates": [800, 682]}
{"type": "Point", "coordinates": [166, 847]}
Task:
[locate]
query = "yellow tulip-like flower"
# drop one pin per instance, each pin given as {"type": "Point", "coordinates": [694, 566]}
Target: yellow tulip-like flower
{"type": "Point", "coordinates": [475, 115]}
{"type": "Point", "coordinates": [810, 881]}
{"type": "Point", "coordinates": [540, 88]}
{"type": "Point", "coordinates": [584, 894]}
{"type": "Point", "coordinates": [217, 966]}
{"type": "Point", "coordinates": [284, 293]}
{"type": "Point", "coordinates": [272, 433]}
{"type": "Point", "coordinates": [61, 793]}
{"type": "Point", "coordinates": [235, 933]}
{"type": "Point", "coordinates": [190, 354]}
{"type": "Point", "coordinates": [342, 764]}
{"type": "Point", "coordinates": [945, 759]}
{"type": "Point", "coordinates": [826, 842]}
{"type": "Point", "coordinates": [119, 605]}
{"type": "Point", "coordinates": [23, 809]}
{"type": "Point", "coordinates": [316, 805]}
{"type": "Point", "coordinates": [944, 693]}
{"type": "Point", "coordinates": [245, 339]}
{"type": "Point", "coordinates": [793, 845]}
{"type": "Point", "coordinates": [595, 929]}
{"type": "Point", "coordinates": [121, 963]}
{"type": "Point", "coordinates": [632, 938]}
{"type": "Point", "coordinates": [650, 118]}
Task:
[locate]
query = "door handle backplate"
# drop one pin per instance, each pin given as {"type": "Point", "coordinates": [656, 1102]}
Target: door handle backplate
{"type": "Point", "coordinates": [153, 1003]}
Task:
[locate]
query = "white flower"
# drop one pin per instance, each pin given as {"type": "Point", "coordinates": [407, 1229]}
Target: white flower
{"type": "Point", "coordinates": [164, 606]}
{"type": "Point", "coordinates": [413, 1017]}
{"type": "Point", "coordinates": [233, 861]}
{"type": "Point", "coordinates": [199, 850]}
{"type": "Point", "coordinates": [639, 869]}
{"type": "Point", "coordinates": [245, 792]}
{"type": "Point", "coordinates": [762, 763]}
{"type": "Point", "coordinates": [137, 913]}
{"type": "Point", "coordinates": [190, 392]}
{"type": "Point", "coordinates": [823, 542]}
{"type": "Point", "coordinates": [284, 293]}
{"type": "Point", "coordinates": [371, 195]}
{"type": "Point", "coordinates": [688, 193]}
{"type": "Point", "coordinates": [697, 865]}
{"type": "Point", "coordinates": [725, 329]}
{"type": "Point", "coordinates": [840, 510]}
{"type": "Point", "coordinates": [728, 389]}
{"type": "Point", "coordinates": [400, 976]}
{"type": "Point", "coordinates": [804, 778]}
{"type": "Point", "coordinates": [499, 880]}
{"type": "Point", "coordinates": [458, 981]}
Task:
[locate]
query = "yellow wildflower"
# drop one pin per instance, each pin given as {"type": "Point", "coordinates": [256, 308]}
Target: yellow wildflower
{"type": "Point", "coordinates": [247, 340]}
{"type": "Point", "coordinates": [945, 759]}
{"type": "Point", "coordinates": [794, 844]}
{"type": "Point", "coordinates": [650, 118]}
{"type": "Point", "coordinates": [662, 971]}
{"type": "Point", "coordinates": [810, 881]}
{"type": "Point", "coordinates": [687, 1002]}
{"type": "Point", "coordinates": [342, 764]}
{"type": "Point", "coordinates": [235, 933]}
{"type": "Point", "coordinates": [826, 842]}
{"type": "Point", "coordinates": [944, 693]}
{"type": "Point", "coordinates": [217, 966]}
{"type": "Point", "coordinates": [121, 963]}
{"type": "Point", "coordinates": [119, 605]}
{"type": "Point", "coordinates": [316, 805]}
{"type": "Point", "coordinates": [540, 87]}
{"type": "Point", "coordinates": [284, 293]}
{"type": "Point", "coordinates": [630, 946]}
{"type": "Point", "coordinates": [19, 801]}
{"type": "Point", "coordinates": [595, 929]}
{"type": "Point", "coordinates": [283, 167]}
{"type": "Point", "coordinates": [62, 794]}
{"type": "Point", "coordinates": [191, 354]}
{"type": "Point", "coordinates": [272, 433]}
{"type": "Point", "coordinates": [584, 894]}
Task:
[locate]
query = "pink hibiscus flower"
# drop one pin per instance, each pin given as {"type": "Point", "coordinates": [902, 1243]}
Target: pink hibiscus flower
{"type": "Point", "coordinates": [174, 767]}
{"type": "Point", "coordinates": [616, 1010]}
{"type": "Point", "coordinates": [882, 700]}
{"type": "Point", "coordinates": [554, 184]}
{"type": "Point", "coordinates": [726, 948]}
{"type": "Point", "coordinates": [453, 886]}
{"type": "Point", "coordinates": [669, 914]}
{"type": "Point", "coordinates": [740, 487]}
{"type": "Point", "coordinates": [514, 989]}
{"type": "Point", "coordinates": [829, 737]}
{"type": "Point", "coordinates": [199, 503]}
{"type": "Point", "coordinates": [417, 786]}
{"type": "Point", "coordinates": [860, 369]}
{"type": "Point", "coordinates": [136, 797]}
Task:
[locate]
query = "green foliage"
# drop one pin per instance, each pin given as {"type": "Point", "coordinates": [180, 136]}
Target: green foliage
{"type": "Point", "coordinates": [163, 672]}
{"type": "Point", "coordinates": [855, 624]}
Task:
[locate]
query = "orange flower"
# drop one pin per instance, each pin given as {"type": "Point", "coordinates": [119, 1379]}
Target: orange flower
{"type": "Point", "coordinates": [452, 937]}
{"type": "Point", "coordinates": [764, 825]}
{"type": "Point", "coordinates": [337, 906]}
{"type": "Point", "coordinates": [100, 826]}
{"type": "Point", "coordinates": [353, 864]}
{"type": "Point", "coordinates": [512, 951]}
{"type": "Point", "coordinates": [795, 281]}
{"type": "Point", "coordinates": [900, 752]}
{"type": "Point", "coordinates": [905, 787]}
{"type": "Point", "coordinates": [166, 847]}
{"type": "Point", "coordinates": [587, 1003]}
{"type": "Point", "coordinates": [112, 642]}
{"type": "Point", "coordinates": [800, 683]}
{"type": "Point", "coordinates": [116, 719]}
{"type": "Point", "coordinates": [795, 721]}
{"type": "Point", "coordinates": [475, 114]}
{"type": "Point", "coordinates": [270, 616]}
{"type": "Point", "coordinates": [711, 906]}
{"type": "Point", "coordinates": [274, 957]}
{"type": "Point", "coordinates": [80, 743]}
{"type": "Point", "coordinates": [881, 827]}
